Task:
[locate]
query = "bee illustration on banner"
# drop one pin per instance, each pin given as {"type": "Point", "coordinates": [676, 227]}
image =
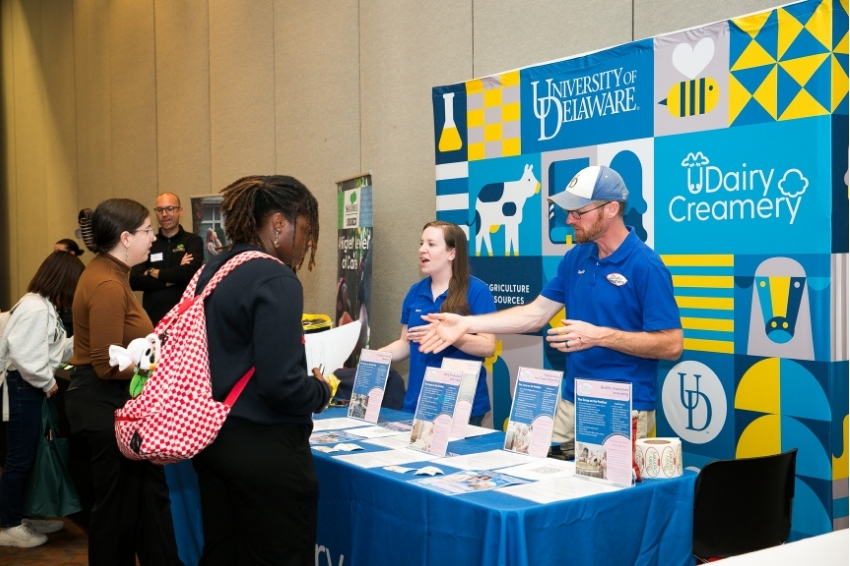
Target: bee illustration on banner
{"type": "Point", "coordinates": [695, 96]}
{"type": "Point", "coordinates": [691, 98]}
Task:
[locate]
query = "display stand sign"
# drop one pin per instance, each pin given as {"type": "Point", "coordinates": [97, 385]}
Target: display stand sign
{"type": "Point", "coordinates": [369, 384]}
{"type": "Point", "coordinates": [604, 431]}
{"type": "Point", "coordinates": [533, 409]}
{"type": "Point", "coordinates": [432, 421]}
{"type": "Point", "coordinates": [471, 370]}
{"type": "Point", "coordinates": [354, 256]}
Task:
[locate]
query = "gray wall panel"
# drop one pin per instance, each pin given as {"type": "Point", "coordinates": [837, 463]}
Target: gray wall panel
{"type": "Point", "coordinates": [406, 48]}
{"type": "Point", "coordinates": [317, 82]}
{"type": "Point", "coordinates": [512, 34]}
{"type": "Point", "coordinates": [183, 99]}
{"type": "Point", "coordinates": [242, 102]}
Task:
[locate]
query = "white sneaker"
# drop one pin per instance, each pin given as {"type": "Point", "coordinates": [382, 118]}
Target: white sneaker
{"type": "Point", "coordinates": [22, 536]}
{"type": "Point", "coordinates": [43, 526]}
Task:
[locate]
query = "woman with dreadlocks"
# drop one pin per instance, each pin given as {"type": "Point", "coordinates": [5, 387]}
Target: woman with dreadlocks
{"type": "Point", "coordinates": [259, 492]}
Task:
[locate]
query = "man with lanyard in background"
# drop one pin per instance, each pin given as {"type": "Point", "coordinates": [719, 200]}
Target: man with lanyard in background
{"type": "Point", "coordinates": [622, 317]}
{"type": "Point", "coordinates": [175, 257]}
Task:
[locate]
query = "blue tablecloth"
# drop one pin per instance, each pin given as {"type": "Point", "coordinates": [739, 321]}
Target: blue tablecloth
{"type": "Point", "coordinates": [375, 517]}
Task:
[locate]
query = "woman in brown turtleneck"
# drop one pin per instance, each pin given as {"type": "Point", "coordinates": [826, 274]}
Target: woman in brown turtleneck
{"type": "Point", "coordinates": [131, 511]}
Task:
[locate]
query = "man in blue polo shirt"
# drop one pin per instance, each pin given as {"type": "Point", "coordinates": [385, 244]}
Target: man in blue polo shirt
{"type": "Point", "coordinates": [622, 316]}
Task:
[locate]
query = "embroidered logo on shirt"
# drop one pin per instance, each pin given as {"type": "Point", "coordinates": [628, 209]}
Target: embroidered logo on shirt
{"type": "Point", "coordinates": [617, 279]}
{"type": "Point", "coordinates": [581, 271]}
{"type": "Point", "coordinates": [179, 248]}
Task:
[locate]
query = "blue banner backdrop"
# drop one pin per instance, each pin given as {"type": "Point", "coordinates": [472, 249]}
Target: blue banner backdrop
{"type": "Point", "coordinates": [733, 141]}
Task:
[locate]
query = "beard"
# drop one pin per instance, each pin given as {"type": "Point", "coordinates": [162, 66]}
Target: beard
{"type": "Point", "coordinates": [592, 232]}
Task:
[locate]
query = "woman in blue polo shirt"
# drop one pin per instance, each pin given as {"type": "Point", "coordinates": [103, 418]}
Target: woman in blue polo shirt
{"type": "Point", "coordinates": [447, 287]}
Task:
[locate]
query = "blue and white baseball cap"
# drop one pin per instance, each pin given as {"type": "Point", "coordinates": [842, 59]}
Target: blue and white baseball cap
{"type": "Point", "coordinates": [593, 183]}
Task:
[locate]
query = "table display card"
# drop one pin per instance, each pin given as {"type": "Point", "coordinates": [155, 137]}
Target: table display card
{"type": "Point", "coordinates": [532, 416]}
{"type": "Point", "coordinates": [604, 431]}
{"type": "Point", "coordinates": [369, 384]}
{"type": "Point", "coordinates": [471, 370]}
{"type": "Point", "coordinates": [432, 421]}
{"type": "Point", "coordinates": [469, 481]}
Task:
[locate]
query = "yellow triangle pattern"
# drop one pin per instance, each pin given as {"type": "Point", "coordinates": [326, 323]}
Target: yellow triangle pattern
{"type": "Point", "coordinates": [789, 29]}
{"type": "Point", "coordinates": [765, 94]}
{"type": "Point", "coordinates": [802, 69]}
{"type": "Point", "coordinates": [753, 56]}
{"type": "Point", "coordinates": [841, 46]}
{"type": "Point", "coordinates": [839, 83]}
{"type": "Point", "coordinates": [803, 106]}
{"type": "Point", "coordinates": [752, 24]}
{"type": "Point", "coordinates": [820, 24]}
{"type": "Point", "coordinates": [738, 98]}
{"type": "Point", "coordinates": [844, 5]}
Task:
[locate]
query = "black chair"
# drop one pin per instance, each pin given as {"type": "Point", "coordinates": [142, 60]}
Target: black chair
{"type": "Point", "coordinates": [743, 505]}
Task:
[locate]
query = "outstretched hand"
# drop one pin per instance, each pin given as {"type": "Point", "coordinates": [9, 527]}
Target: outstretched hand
{"type": "Point", "coordinates": [444, 330]}
{"type": "Point", "coordinates": [574, 336]}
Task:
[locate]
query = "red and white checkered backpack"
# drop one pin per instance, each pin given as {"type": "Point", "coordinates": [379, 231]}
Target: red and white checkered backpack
{"type": "Point", "coordinates": [175, 415]}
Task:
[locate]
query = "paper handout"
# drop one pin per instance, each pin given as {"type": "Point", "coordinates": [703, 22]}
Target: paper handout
{"type": "Point", "coordinates": [331, 347]}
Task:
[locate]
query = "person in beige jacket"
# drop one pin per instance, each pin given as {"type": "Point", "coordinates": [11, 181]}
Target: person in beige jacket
{"type": "Point", "coordinates": [32, 346]}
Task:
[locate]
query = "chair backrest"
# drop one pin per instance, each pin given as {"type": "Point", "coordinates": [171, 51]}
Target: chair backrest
{"type": "Point", "coordinates": [743, 505]}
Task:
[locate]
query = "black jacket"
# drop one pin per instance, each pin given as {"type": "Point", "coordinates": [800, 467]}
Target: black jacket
{"type": "Point", "coordinates": [254, 319]}
{"type": "Point", "coordinates": [166, 254]}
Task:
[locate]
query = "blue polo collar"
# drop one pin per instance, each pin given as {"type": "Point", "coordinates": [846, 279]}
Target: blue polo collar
{"type": "Point", "coordinates": [622, 252]}
{"type": "Point", "coordinates": [425, 290]}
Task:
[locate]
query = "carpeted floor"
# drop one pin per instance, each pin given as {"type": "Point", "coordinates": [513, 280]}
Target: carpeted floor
{"type": "Point", "coordinates": [68, 547]}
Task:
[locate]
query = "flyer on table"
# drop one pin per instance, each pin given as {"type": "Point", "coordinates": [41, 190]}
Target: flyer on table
{"type": "Point", "coordinates": [470, 369]}
{"type": "Point", "coordinates": [367, 394]}
{"type": "Point", "coordinates": [532, 417]}
{"type": "Point", "coordinates": [604, 430]}
{"type": "Point", "coordinates": [432, 421]}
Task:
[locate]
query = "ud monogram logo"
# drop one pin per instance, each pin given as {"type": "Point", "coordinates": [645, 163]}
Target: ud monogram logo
{"type": "Point", "coordinates": [691, 400]}
{"type": "Point", "coordinates": [694, 402]}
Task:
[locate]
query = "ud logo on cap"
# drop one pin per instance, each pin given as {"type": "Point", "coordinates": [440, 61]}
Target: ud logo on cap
{"type": "Point", "coordinates": [591, 184]}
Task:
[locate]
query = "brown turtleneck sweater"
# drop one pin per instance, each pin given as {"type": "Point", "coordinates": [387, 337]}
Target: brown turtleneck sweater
{"type": "Point", "coordinates": [106, 312]}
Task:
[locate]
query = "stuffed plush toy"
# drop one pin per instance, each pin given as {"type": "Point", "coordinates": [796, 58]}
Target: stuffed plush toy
{"type": "Point", "coordinates": [143, 353]}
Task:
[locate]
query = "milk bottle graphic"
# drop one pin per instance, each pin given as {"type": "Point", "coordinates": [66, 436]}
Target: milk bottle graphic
{"type": "Point", "coordinates": [450, 138]}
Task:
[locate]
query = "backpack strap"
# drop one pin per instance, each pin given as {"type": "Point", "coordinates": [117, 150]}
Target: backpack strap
{"type": "Point", "coordinates": [189, 297]}
{"type": "Point", "coordinates": [230, 265]}
{"type": "Point", "coordinates": [237, 389]}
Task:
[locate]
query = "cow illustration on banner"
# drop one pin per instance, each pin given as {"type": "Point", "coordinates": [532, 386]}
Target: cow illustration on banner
{"type": "Point", "coordinates": [732, 138]}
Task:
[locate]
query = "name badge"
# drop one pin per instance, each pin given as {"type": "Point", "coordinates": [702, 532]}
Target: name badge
{"type": "Point", "coordinates": [156, 257]}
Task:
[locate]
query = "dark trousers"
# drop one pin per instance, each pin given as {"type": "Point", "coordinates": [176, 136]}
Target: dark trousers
{"type": "Point", "coordinates": [259, 497]}
{"type": "Point", "coordinates": [22, 434]}
{"type": "Point", "coordinates": [131, 513]}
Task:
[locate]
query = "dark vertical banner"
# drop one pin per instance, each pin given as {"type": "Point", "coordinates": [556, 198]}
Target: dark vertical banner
{"type": "Point", "coordinates": [208, 223]}
{"type": "Point", "coordinates": [354, 251]}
